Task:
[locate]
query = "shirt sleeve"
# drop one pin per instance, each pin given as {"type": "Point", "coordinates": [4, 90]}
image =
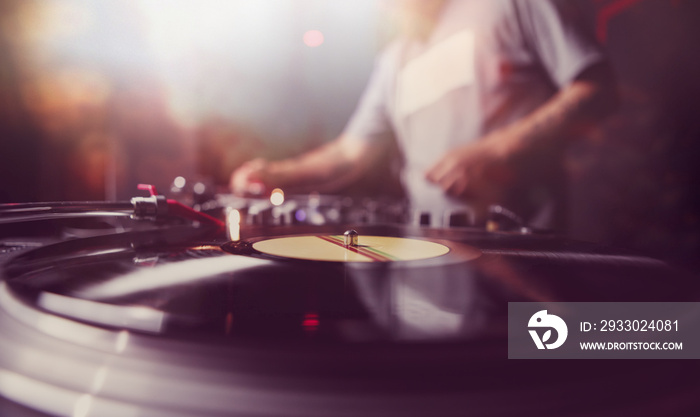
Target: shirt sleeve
{"type": "Point", "coordinates": [370, 120]}
{"type": "Point", "coordinates": [555, 31]}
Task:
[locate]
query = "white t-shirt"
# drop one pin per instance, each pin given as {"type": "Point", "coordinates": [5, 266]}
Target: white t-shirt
{"type": "Point", "coordinates": [486, 64]}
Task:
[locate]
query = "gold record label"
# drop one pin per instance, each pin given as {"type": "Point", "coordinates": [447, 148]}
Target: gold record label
{"type": "Point", "coordinates": [331, 248]}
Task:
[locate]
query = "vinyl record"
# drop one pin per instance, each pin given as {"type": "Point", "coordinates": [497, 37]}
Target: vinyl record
{"type": "Point", "coordinates": [151, 323]}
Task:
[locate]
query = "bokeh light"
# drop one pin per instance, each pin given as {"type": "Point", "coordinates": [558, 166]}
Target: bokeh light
{"type": "Point", "coordinates": [313, 38]}
{"type": "Point", "coordinates": [277, 197]}
{"type": "Point", "coordinates": [180, 182]}
{"type": "Point", "coordinates": [122, 92]}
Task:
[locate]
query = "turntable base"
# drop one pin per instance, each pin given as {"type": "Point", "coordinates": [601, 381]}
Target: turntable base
{"type": "Point", "coordinates": [178, 320]}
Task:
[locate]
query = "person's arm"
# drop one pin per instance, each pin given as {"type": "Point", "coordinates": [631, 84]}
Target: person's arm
{"type": "Point", "coordinates": [473, 169]}
{"type": "Point", "coordinates": [335, 165]}
{"type": "Point", "coordinates": [325, 169]}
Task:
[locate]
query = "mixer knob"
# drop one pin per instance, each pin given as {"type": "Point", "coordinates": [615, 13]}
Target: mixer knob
{"type": "Point", "coordinates": [421, 218]}
{"type": "Point", "coordinates": [284, 215]}
{"type": "Point", "coordinates": [259, 214]}
{"type": "Point", "coordinates": [457, 218]}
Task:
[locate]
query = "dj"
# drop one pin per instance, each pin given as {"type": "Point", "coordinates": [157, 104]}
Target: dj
{"type": "Point", "coordinates": [481, 97]}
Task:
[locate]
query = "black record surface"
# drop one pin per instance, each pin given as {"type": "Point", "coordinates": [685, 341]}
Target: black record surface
{"type": "Point", "coordinates": [180, 322]}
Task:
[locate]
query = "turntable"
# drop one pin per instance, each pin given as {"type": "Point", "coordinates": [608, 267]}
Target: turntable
{"type": "Point", "coordinates": [342, 310]}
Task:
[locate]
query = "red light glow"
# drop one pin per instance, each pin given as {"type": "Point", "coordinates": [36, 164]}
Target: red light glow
{"type": "Point", "coordinates": [313, 38]}
{"type": "Point", "coordinates": [311, 321]}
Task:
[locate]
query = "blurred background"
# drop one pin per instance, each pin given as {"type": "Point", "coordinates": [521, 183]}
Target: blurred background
{"type": "Point", "coordinates": [97, 96]}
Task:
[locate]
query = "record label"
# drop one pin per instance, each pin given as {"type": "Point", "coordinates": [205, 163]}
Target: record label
{"type": "Point", "coordinates": [331, 248]}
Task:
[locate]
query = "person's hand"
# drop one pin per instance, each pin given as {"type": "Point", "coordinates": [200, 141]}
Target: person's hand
{"type": "Point", "coordinates": [251, 178]}
{"type": "Point", "coordinates": [478, 170]}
